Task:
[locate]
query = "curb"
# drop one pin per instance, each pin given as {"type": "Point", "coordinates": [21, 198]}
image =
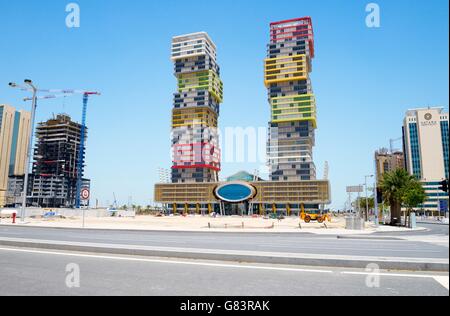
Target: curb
{"type": "Point", "coordinates": [384, 263]}
{"type": "Point", "coordinates": [353, 237]}
{"type": "Point", "coordinates": [210, 231]}
{"type": "Point", "coordinates": [130, 230]}
{"type": "Point", "coordinates": [434, 223]}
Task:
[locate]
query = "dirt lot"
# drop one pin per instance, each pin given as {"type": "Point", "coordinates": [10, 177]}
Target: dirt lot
{"type": "Point", "coordinates": [196, 223]}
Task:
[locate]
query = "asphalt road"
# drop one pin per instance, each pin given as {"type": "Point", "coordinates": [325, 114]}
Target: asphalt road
{"type": "Point", "coordinates": [37, 272]}
{"type": "Point", "coordinates": [269, 242]}
{"type": "Point", "coordinates": [432, 228]}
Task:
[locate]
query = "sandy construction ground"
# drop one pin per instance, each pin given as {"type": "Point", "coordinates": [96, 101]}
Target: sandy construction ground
{"type": "Point", "coordinates": [202, 224]}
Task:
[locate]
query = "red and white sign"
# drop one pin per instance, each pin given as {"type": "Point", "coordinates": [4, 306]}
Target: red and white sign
{"type": "Point", "coordinates": [85, 194]}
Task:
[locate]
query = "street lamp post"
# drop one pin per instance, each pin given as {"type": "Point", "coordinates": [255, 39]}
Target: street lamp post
{"type": "Point", "coordinates": [30, 145]}
{"type": "Point", "coordinates": [375, 193]}
{"type": "Point", "coordinates": [360, 213]}
{"type": "Point", "coordinates": [367, 197]}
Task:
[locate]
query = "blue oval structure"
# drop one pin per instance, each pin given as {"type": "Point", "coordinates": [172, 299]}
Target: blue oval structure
{"type": "Point", "coordinates": [235, 192]}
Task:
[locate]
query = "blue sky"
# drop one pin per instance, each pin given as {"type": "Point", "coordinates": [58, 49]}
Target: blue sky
{"type": "Point", "coordinates": [364, 79]}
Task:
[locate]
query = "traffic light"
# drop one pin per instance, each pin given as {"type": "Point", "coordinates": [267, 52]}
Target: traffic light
{"type": "Point", "coordinates": [379, 196]}
{"type": "Point", "coordinates": [444, 186]}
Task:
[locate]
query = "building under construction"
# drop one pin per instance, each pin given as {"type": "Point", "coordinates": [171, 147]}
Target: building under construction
{"type": "Point", "coordinates": [53, 181]}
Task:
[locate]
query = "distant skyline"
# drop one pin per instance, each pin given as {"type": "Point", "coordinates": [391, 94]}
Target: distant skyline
{"type": "Point", "coordinates": [365, 79]}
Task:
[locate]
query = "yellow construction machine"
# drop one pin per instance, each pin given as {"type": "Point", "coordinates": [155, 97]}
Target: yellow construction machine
{"type": "Point", "coordinates": [314, 216]}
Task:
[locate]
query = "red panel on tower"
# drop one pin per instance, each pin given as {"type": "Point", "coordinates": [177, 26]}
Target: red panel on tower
{"type": "Point", "coordinates": [291, 30]}
{"type": "Point", "coordinates": [197, 155]}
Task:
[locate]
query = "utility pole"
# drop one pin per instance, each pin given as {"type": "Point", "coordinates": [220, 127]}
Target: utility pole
{"type": "Point", "coordinates": [349, 202]}
{"type": "Point", "coordinates": [367, 198]}
{"type": "Point", "coordinates": [375, 195]}
{"type": "Point", "coordinates": [29, 83]}
{"type": "Point", "coordinates": [358, 203]}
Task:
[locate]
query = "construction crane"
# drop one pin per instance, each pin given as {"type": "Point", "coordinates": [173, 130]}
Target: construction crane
{"type": "Point", "coordinates": [164, 175]}
{"type": "Point", "coordinates": [391, 143]}
{"type": "Point", "coordinates": [86, 95]}
{"type": "Point", "coordinates": [115, 204]}
{"type": "Point", "coordinates": [326, 170]}
{"type": "Point", "coordinates": [82, 149]}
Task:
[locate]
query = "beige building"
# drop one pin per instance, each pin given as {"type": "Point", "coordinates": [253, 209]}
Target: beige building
{"type": "Point", "coordinates": [387, 161]}
{"type": "Point", "coordinates": [260, 197]}
{"type": "Point", "coordinates": [426, 142]}
{"type": "Point", "coordinates": [14, 131]}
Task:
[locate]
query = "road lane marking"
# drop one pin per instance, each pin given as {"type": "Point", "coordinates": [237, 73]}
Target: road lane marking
{"type": "Point", "coordinates": [442, 280]}
{"type": "Point", "coordinates": [400, 275]}
{"type": "Point", "coordinates": [217, 265]}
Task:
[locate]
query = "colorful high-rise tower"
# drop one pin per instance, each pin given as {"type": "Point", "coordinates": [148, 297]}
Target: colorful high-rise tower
{"type": "Point", "coordinates": [195, 186]}
{"type": "Point", "coordinates": [293, 107]}
{"type": "Point", "coordinates": [195, 144]}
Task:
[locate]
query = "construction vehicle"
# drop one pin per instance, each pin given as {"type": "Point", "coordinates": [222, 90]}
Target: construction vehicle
{"type": "Point", "coordinates": [314, 216]}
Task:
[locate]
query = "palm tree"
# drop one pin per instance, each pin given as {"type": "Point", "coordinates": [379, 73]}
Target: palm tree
{"type": "Point", "coordinates": [370, 202]}
{"type": "Point", "coordinates": [414, 196]}
{"type": "Point", "coordinates": [396, 186]}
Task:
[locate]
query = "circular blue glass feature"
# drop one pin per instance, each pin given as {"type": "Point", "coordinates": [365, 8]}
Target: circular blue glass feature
{"type": "Point", "coordinates": [235, 192]}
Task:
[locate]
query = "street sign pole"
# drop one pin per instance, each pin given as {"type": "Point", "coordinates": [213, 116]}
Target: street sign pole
{"type": "Point", "coordinates": [375, 195]}
{"type": "Point", "coordinates": [84, 195]}
{"type": "Point", "coordinates": [359, 204]}
{"type": "Point", "coordinates": [84, 217]}
{"type": "Point", "coordinates": [376, 212]}
{"type": "Point", "coordinates": [356, 189]}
